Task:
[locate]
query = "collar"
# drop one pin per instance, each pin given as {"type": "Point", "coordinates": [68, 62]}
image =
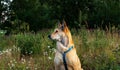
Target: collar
{"type": "Point", "coordinates": [68, 50]}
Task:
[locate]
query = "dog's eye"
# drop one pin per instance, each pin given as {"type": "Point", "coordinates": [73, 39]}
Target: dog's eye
{"type": "Point", "coordinates": [56, 31]}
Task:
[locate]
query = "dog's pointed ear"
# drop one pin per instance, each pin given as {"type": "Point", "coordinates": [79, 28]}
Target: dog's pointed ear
{"type": "Point", "coordinates": [59, 24]}
{"type": "Point", "coordinates": [64, 25]}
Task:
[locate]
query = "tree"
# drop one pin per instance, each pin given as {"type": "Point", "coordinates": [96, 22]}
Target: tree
{"type": "Point", "coordinates": [39, 14]}
{"type": "Point", "coordinates": [33, 12]}
{"type": "Point", "coordinates": [5, 15]}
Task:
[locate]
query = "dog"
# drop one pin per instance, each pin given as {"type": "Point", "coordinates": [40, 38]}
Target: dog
{"type": "Point", "coordinates": [65, 56]}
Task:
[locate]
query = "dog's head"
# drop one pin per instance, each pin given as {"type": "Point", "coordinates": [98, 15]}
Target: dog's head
{"type": "Point", "coordinates": [60, 32]}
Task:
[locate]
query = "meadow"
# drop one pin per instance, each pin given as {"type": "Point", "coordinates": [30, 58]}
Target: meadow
{"type": "Point", "coordinates": [97, 50]}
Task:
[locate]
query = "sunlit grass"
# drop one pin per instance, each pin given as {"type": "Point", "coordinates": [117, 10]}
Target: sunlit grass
{"type": "Point", "coordinates": [97, 50]}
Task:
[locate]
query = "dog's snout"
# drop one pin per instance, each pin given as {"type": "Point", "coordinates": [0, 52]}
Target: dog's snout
{"type": "Point", "coordinates": [49, 36]}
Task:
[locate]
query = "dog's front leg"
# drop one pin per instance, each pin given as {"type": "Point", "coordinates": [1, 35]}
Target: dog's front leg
{"type": "Point", "coordinates": [57, 60]}
{"type": "Point", "coordinates": [57, 63]}
{"type": "Point", "coordinates": [57, 67]}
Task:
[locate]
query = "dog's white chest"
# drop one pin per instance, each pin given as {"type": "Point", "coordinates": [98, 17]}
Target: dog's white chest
{"type": "Point", "coordinates": [60, 47]}
{"type": "Point", "coordinates": [58, 58]}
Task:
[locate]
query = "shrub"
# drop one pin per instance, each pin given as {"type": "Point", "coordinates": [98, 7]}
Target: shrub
{"type": "Point", "coordinates": [29, 43]}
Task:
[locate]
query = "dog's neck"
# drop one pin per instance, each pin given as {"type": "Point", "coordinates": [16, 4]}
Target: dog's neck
{"type": "Point", "coordinates": [65, 41]}
{"type": "Point", "coordinates": [64, 44]}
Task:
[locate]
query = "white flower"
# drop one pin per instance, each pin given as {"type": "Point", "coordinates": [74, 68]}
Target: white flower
{"type": "Point", "coordinates": [45, 53]}
{"type": "Point", "coordinates": [1, 32]}
{"type": "Point", "coordinates": [50, 51]}
{"type": "Point", "coordinates": [1, 53]}
{"type": "Point", "coordinates": [49, 58]}
{"type": "Point", "coordinates": [8, 64]}
{"type": "Point", "coordinates": [7, 50]}
{"type": "Point", "coordinates": [35, 68]}
{"type": "Point", "coordinates": [27, 67]}
{"type": "Point", "coordinates": [12, 65]}
{"type": "Point", "coordinates": [10, 50]}
{"type": "Point", "coordinates": [11, 61]}
{"type": "Point", "coordinates": [23, 61]}
{"type": "Point", "coordinates": [31, 58]}
{"type": "Point", "coordinates": [53, 49]}
{"type": "Point", "coordinates": [31, 52]}
{"type": "Point", "coordinates": [4, 51]}
{"type": "Point", "coordinates": [18, 49]}
{"type": "Point", "coordinates": [14, 46]}
{"type": "Point", "coordinates": [15, 62]}
{"type": "Point", "coordinates": [48, 46]}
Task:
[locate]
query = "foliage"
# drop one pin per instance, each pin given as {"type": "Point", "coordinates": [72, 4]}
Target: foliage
{"type": "Point", "coordinates": [97, 50]}
{"type": "Point", "coordinates": [41, 14]}
{"type": "Point", "coordinates": [32, 12]}
{"type": "Point", "coordinates": [6, 42]}
{"type": "Point", "coordinates": [29, 44]}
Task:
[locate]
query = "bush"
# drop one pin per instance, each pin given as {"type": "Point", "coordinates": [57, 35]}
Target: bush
{"type": "Point", "coordinates": [29, 43]}
{"type": "Point", "coordinates": [33, 43]}
{"type": "Point", "coordinates": [96, 50]}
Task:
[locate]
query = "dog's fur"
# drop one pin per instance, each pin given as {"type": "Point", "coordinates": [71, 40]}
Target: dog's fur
{"type": "Point", "coordinates": [64, 41]}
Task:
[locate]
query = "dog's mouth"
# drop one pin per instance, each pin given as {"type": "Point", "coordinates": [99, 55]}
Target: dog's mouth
{"type": "Point", "coordinates": [49, 36]}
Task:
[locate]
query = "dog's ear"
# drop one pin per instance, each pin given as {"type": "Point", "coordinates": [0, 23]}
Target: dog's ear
{"type": "Point", "coordinates": [64, 25]}
{"type": "Point", "coordinates": [59, 24]}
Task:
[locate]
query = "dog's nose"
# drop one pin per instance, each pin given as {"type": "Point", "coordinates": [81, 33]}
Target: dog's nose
{"type": "Point", "coordinates": [49, 36]}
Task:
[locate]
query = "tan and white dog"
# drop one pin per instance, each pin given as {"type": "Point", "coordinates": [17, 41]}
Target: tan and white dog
{"type": "Point", "coordinates": [64, 42]}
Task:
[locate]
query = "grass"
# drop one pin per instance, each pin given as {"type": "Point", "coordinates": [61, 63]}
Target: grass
{"type": "Point", "coordinates": [97, 50]}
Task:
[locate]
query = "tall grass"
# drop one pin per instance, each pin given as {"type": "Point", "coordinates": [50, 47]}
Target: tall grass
{"type": "Point", "coordinates": [97, 50]}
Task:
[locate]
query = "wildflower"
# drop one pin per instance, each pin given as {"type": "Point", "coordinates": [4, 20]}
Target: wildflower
{"type": "Point", "coordinates": [10, 50]}
{"type": "Point", "coordinates": [45, 53]}
{"type": "Point", "coordinates": [1, 32]}
{"type": "Point", "coordinates": [35, 68]}
{"type": "Point", "coordinates": [4, 51]}
{"type": "Point", "coordinates": [23, 61]}
{"type": "Point", "coordinates": [48, 46]}
{"type": "Point", "coordinates": [50, 51]}
{"type": "Point", "coordinates": [12, 65]}
{"type": "Point", "coordinates": [31, 52]}
{"type": "Point", "coordinates": [49, 58]}
{"type": "Point", "coordinates": [14, 46]}
{"type": "Point", "coordinates": [18, 49]}
{"type": "Point", "coordinates": [53, 49]}
{"type": "Point", "coordinates": [29, 62]}
{"type": "Point", "coordinates": [11, 61]}
{"type": "Point", "coordinates": [8, 64]}
{"type": "Point", "coordinates": [1, 53]}
{"type": "Point", "coordinates": [31, 58]}
{"type": "Point", "coordinates": [14, 60]}
{"type": "Point", "coordinates": [26, 52]}
{"type": "Point", "coordinates": [27, 67]}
